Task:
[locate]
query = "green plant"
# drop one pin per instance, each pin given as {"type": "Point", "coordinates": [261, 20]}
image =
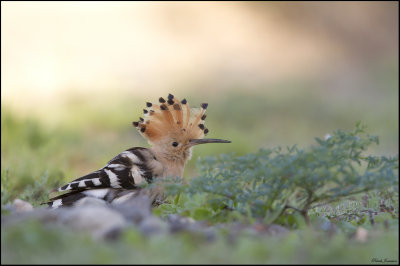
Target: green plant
{"type": "Point", "coordinates": [273, 182]}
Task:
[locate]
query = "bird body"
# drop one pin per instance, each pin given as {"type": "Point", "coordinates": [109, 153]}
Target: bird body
{"type": "Point", "coordinates": [171, 128]}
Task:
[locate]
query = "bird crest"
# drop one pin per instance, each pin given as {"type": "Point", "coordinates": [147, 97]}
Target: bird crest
{"type": "Point", "coordinates": [172, 119]}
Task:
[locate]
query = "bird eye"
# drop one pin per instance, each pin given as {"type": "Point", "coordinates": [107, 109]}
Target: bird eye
{"type": "Point", "coordinates": [175, 144]}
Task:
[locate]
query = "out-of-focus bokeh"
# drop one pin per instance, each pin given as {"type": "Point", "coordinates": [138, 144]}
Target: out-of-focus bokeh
{"type": "Point", "coordinates": [273, 73]}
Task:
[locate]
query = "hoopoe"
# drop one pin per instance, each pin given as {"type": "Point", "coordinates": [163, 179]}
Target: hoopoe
{"type": "Point", "coordinates": [172, 128]}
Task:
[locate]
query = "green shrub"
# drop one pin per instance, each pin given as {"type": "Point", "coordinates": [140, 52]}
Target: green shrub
{"type": "Point", "coordinates": [269, 183]}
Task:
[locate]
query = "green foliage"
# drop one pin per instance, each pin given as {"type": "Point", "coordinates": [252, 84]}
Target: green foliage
{"type": "Point", "coordinates": [5, 187]}
{"type": "Point", "coordinates": [266, 184]}
{"type": "Point", "coordinates": [28, 170]}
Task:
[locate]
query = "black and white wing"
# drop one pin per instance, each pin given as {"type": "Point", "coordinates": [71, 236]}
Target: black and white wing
{"type": "Point", "coordinates": [124, 172]}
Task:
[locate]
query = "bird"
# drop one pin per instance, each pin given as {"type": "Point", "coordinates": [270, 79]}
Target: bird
{"type": "Point", "coordinates": [171, 128]}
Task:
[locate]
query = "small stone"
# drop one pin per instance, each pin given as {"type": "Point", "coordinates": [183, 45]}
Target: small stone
{"type": "Point", "coordinates": [361, 234]}
{"type": "Point", "coordinates": [22, 206]}
{"type": "Point", "coordinates": [135, 208]}
{"type": "Point", "coordinates": [175, 222]}
{"type": "Point", "coordinates": [96, 220]}
{"type": "Point", "coordinates": [152, 226]}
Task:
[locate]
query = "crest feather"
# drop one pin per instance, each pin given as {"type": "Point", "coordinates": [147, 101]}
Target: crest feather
{"type": "Point", "coordinates": [171, 119]}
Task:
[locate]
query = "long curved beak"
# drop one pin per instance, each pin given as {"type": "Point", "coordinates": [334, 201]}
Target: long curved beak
{"type": "Point", "coordinates": [203, 141]}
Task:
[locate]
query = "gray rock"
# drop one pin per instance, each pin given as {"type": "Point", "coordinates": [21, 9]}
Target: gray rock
{"type": "Point", "coordinates": [152, 226]}
{"type": "Point", "coordinates": [135, 209]}
{"type": "Point", "coordinates": [40, 214]}
{"type": "Point", "coordinates": [186, 224]}
{"type": "Point", "coordinates": [96, 220]}
{"type": "Point", "coordinates": [22, 206]}
{"type": "Point", "coordinates": [178, 223]}
{"type": "Point", "coordinates": [90, 216]}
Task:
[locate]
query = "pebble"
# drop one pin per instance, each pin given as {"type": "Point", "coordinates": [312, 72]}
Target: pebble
{"type": "Point", "coordinates": [22, 206]}
{"type": "Point", "coordinates": [152, 226]}
{"type": "Point", "coordinates": [94, 219]}
{"type": "Point", "coordinates": [135, 210]}
{"type": "Point", "coordinates": [361, 235]}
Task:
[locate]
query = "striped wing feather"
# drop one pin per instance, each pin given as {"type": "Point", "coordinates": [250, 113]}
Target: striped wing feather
{"type": "Point", "coordinates": [125, 172]}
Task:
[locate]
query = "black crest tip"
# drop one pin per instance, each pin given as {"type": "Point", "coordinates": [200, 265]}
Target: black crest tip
{"type": "Point", "coordinates": [203, 117]}
{"type": "Point", "coordinates": [170, 102]}
{"type": "Point", "coordinates": [183, 101]}
{"type": "Point", "coordinates": [135, 124]}
{"type": "Point", "coordinates": [161, 100]}
{"type": "Point", "coordinates": [170, 96]}
{"type": "Point", "coordinates": [143, 129]}
{"type": "Point", "coordinates": [204, 105]}
{"type": "Point", "coordinates": [149, 104]}
{"type": "Point", "coordinates": [205, 130]}
{"type": "Point", "coordinates": [145, 111]}
{"type": "Point", "coordinates": [201, 126]}
{"type": "Point", "coordinates": [163, 107]}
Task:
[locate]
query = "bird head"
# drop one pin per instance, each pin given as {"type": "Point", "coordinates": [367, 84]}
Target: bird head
{"type": "Point", "coordinates": [172, 128]}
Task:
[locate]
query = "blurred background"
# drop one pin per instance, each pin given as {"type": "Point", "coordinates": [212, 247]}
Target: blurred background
{"type": "Point", "coordinates": [76, 74]}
